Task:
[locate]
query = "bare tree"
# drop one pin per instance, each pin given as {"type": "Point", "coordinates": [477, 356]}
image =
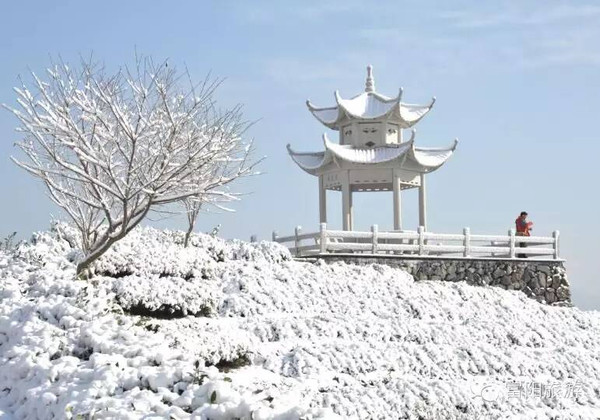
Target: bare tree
{"type": "Point", "coordinates": [110, 148]}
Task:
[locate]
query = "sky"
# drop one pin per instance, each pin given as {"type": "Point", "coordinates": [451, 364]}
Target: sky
{"type": "Point", "coordinates": [517, 82]}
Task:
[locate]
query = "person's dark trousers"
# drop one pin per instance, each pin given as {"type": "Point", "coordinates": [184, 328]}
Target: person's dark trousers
{"type": "Point", "coordinates": [522, 245]}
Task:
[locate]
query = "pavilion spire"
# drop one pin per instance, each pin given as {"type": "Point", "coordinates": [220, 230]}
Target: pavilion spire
{"type": "Point", "coordinates": [370, 84]}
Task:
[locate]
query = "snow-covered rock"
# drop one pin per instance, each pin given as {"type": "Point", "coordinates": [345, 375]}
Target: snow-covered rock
{"type": "Point", "coordinates": [227, 329]}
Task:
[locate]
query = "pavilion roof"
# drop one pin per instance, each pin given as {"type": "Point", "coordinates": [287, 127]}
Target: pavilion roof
{"type": "Point", "coordinates": [369, 106]}
{"type": "Point", "coordinates": [404, 155]}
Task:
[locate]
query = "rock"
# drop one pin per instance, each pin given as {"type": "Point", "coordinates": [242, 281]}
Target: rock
{"type": "Point", "coordinates": [542, 279]}
{"type": "Point", "coordinates": [556, 281]}
{"type": "Point", "coordinates": [498, 272]}
{"type": "Point", "coordinates": [562, 293]}
{"type": "Point", "coordinates": [550, 296]}
{"type": "Point", "coordinates": [564, 304]}
{"type": "Point", "coordinates": [544, 269]}
{"type": "Point", "coordinates": [533, 283]}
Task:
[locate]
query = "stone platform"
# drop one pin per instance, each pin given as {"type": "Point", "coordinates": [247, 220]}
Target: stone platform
{"type": "Point", "coordinates": [543, 280]}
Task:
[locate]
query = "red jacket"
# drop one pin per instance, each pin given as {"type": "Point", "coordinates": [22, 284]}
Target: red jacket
{"type": "Point", "coordinates": [523, 226]}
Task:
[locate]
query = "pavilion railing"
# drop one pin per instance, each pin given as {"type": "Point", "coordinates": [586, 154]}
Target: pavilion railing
{"type": "Point", "coordinates": [420, 243]}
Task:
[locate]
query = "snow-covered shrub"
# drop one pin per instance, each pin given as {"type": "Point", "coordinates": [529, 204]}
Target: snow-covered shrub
{"type": "Point", "coordinates": [166, 297]}
{"type": "Point", "coordinates": [45, 248]}
{"type": "Point", "coordinates": [154, 275]}
{"type": "Point", "coordinates": [8, 243]}
{"type": "Point", "coordinates": [148, 251]}
{"type": "Point", "coordinates": [322, 341]}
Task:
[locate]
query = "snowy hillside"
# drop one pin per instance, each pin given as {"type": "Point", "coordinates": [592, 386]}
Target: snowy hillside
{"type": "Point", "coordinates": [238, 330]}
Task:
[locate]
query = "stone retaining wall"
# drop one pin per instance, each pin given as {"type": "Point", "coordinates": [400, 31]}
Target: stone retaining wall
{"type": "Point", "coordinates": [543, 280]}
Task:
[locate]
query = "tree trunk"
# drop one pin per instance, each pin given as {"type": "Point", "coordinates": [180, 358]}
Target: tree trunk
{"type": "Point", "coordinates": [193, 210]}
{"type": "Point", "coordinates": [189, 233]}
{"type": "Point", "coordinates": [83, 266]}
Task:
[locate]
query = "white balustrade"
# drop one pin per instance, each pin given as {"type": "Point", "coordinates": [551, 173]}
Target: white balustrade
{"type": "Point", "coordinates": [421, 243]}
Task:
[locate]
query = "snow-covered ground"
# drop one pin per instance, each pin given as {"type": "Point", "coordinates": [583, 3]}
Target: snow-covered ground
{"type": "Point", "coordinates": [238, 330]}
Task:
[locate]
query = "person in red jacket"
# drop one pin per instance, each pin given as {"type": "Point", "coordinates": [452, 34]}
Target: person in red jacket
{"type": "Point", "coordinates": [523, 229]}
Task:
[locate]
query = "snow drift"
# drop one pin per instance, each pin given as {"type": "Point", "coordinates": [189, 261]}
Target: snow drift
{"type": "Point", "coordinates": [228, 329]}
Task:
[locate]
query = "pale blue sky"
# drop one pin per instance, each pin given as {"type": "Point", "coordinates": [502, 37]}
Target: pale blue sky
{"type": "Point", "coordinates": [518, 82]}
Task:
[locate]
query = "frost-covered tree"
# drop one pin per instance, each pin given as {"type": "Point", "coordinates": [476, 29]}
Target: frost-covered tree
{"type": "Point", "coordinates": [110, 148]}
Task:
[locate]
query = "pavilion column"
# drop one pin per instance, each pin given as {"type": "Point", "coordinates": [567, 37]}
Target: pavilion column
{"type": "Point", "coordinates": [351, 209]}
{"type": "Point", "coordinates": [322, 200]}
{"type": "Point", "coordinates": [346, 203]}
{"type": "Point", "coordinates": [422, 203]}
{"type": "Point", "coordinates": [397, 188]}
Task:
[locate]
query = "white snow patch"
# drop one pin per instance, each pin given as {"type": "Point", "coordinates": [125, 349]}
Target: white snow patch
{"type": "Point", "coordinates": [278, 339]}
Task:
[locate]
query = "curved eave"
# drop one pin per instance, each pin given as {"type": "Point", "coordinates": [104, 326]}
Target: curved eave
{"type": "Point", "coordinates": [368, 156]}
{"type": "Point", "coordinates": [314, 162]}
{"type": "Point", "coordinates": [429, 159]}
{"type": "Point", "coordinates": [408, 156]}
{"type": "Point", "coordinates": [328, 116]}
{"type": "Point", "coordinates": [373, 107]}
{"type": "Point", "coordinates": [411, 114]}
{"type": "Point", "coordinates": [310, 162]}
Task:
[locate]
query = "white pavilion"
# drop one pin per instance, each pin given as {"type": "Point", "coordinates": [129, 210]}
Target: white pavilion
{"type": "Point", "coordinates": [372, 154]}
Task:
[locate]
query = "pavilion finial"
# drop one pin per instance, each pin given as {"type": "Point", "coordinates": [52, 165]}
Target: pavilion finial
{"type": "Point", "coordinates": [370, 84]}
